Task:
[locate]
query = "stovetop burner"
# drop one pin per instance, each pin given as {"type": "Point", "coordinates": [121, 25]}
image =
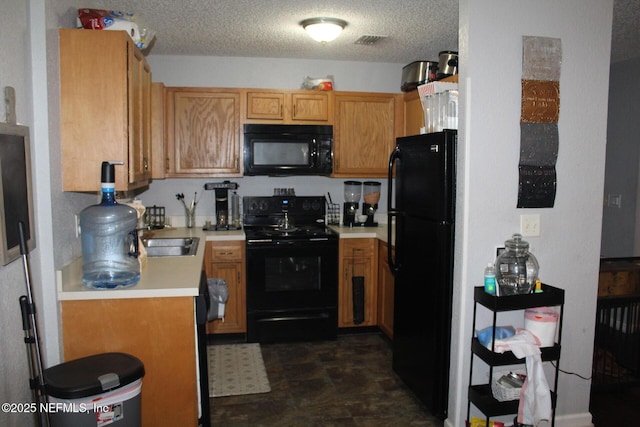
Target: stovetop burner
{"type": "Point", "coordinates": [285, 217]}
{"type": "Point", "coordinates": [294, 232]}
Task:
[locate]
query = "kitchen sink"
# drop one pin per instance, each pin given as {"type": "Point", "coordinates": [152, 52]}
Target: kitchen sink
{"type": "Point", "coordinates": [171, 246]}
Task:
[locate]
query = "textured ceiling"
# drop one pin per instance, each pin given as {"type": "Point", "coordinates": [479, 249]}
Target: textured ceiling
{"type": "Point", "coordinates": [416, 29]}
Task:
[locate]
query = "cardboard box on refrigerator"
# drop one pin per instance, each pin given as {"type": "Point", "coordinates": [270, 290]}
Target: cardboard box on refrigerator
{"type": "Point", "coordinates": [435, 87]}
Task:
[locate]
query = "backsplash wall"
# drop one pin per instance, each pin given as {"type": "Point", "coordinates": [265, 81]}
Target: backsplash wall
{"type": "Point", "coordinates": [163, 192]}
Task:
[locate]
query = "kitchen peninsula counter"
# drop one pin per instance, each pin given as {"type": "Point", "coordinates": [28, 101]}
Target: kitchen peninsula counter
{"type": "Point", "coordinates": [173, 276]}
{"type": "Point", "coordinates": [153, 320]}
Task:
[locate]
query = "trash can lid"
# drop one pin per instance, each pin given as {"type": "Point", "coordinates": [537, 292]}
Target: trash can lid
{"type": "Point", "coordinates": [92, 375]}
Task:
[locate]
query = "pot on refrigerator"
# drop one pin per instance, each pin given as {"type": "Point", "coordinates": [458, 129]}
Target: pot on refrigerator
{"type": "Point", "coordinates": [417, 73]}
{"type": "Point", "coordinates": [448, 64]}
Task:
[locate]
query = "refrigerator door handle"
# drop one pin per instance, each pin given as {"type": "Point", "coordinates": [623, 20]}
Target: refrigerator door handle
{"type": "Point", "coordinates": [393, 217]}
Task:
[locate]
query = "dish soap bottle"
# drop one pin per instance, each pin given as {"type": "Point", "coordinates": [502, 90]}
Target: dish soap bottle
{"type": "Point", "coordinates": [490, 279]}
{"type": "Point", "coordinates": [109, 239]}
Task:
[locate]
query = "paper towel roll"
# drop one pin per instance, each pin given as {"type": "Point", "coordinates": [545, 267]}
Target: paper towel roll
{"type": "Point", "coordinates": [542, 322]}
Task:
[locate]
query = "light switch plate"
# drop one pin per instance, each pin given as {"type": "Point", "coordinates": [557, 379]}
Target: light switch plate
{"type": "Point", "coordinates": [530, 225]}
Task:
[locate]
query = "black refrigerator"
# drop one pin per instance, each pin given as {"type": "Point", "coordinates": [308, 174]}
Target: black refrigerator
{"type": "Point", "coordinates": [421, 228]}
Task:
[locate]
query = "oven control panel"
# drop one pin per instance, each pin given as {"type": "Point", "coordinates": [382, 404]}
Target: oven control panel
{"type": "Point", "coordinates": [280, 204]}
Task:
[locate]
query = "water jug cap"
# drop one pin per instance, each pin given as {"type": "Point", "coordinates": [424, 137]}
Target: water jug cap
{"type": "Point", "coordinates": [108, 172]}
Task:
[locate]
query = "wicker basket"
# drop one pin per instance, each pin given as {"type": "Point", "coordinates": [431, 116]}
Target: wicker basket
{"type": "Point", "coordinates": [504, 393]}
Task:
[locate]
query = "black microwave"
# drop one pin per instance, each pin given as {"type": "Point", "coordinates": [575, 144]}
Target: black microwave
{"type": "Point", "coordinates": [281, 150]}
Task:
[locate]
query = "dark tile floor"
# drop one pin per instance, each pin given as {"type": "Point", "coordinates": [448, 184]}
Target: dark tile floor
{"type": "Point", "coordinates": [347, 382]}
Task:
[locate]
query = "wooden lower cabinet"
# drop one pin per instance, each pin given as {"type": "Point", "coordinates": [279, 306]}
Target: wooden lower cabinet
{"type": "Point", "coordinates": [226, 260]}
{"type": "Point", "coordinates": [386, 283]}
{"type": "Point", "coordinates": [358, 258]}
{"type": "Point", "coordinates": [158, 331]}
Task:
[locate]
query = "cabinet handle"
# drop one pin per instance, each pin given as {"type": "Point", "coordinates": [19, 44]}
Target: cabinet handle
{"type": "Point", "coordinates": [145, 163]}
{"type": "Point", "coordinates": [281, 110]}
{"type": "Point", "coordinates": [238, 274]}
{"type": "Point", "coordinates": [294, 110]}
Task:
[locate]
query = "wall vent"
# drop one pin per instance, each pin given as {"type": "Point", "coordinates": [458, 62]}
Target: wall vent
{"type": "Point", "coordinates": [369, 39]}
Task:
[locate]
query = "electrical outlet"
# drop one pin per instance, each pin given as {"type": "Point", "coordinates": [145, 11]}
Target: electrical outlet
{"type": "Point", "coordinates": [76, 218]}
{"type": "Point", "coordinates": [530, 225]}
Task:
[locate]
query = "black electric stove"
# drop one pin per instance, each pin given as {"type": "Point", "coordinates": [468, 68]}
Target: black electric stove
{"type": "Point", "coordinates": [292, 270]}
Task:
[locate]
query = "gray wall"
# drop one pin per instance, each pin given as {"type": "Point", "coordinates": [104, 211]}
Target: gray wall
{"type": "Point", "coordinates": [14, 72]}
{"type": "Point", "coordinates": [29, 52]}
{"type": "Point", "coordinates": [623, 154]}
{"type": "Point", "coordinates": [568, 248]}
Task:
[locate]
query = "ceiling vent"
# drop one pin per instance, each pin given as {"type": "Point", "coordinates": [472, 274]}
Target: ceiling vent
{"type": "Point", "coordinates": [369, 39]}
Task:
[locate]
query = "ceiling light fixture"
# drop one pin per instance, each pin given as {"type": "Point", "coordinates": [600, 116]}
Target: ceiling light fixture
{"type": "Point", "coordinates": [323, 30]}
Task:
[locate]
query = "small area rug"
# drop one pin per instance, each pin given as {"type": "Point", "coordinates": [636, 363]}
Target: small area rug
{"type": "Point", "coordinates": [236, 369]}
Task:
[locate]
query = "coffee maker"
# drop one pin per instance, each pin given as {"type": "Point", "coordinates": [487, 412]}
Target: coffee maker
{"type": "Point", "coordinates": [227, 206]}
{"type": "Point", "coordinates": [352, 194]}
{"type": "Point", "coordinates": [371, 190]}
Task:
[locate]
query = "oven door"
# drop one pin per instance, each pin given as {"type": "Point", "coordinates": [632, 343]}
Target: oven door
{"type": "Point", "coordinates": [292, 290]}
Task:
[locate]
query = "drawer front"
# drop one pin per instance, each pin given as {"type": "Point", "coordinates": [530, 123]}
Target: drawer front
{"type": "Point", "coordinates": [227, 251]}
{"type": "Point", "coordinates": [355, 248]}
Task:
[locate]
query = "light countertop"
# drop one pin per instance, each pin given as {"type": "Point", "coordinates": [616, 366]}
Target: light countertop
{"type": "Point", "coordinates": [177, 276]}
{"type": "Point", "coordinates": [171, 276]}
{"type": "Point", "coordinates": [379, 232]}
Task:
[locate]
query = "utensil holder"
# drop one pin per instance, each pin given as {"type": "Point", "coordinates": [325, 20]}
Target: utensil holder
{"type": "Point", "coordinates": [155, 217]}
{"type": "Point", "coordinates": [190, 217]}
{"type": "Point", "coordinates": [333, 214]}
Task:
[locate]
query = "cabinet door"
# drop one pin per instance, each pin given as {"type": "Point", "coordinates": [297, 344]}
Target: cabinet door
{"type": "Point", "coordinates": [309, 106]}
{"type": "Point", "coordinates": [265, 105]}
{"type": "Point", "coordinates": [226, 260]}
{"type": "Point", "coordinates": [364, 134]}
{"type": "Point", "coordinates": [386, 283]}
{"type": "Point", "coordinates": [358, 258]}
{"type": "Point", "coordinates": [102, 104]}
{"type": "Point", "coordinates": [140, 119]}
{"type": "Point", "coordinates": [158, 157]}
{"type": "Point", "coordinates": [235, 309]}
{"type": "Point", "coordinates": [203, 132]}
{"type": "Point", "coordinates": [413, 113]}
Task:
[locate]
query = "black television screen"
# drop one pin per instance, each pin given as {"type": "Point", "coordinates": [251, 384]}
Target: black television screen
{"type": "Point", "coordinates": [15, 190]}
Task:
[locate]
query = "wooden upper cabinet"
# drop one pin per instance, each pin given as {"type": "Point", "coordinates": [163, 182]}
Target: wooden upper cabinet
{"type": "Point", "coordinates": [295, 107]}
{"type": "Point", "coordinates": [105, 103]}
{"type": "Point", "coordinates": [203, 132]}
{"type": "Point", "coordinates": [140, 125]}
{"type": "Point", "coordinates": [158, 157]}
{"type": "Point", "coordinates": [310, 106]}
{"type": "Point", "coordinates": [413, 113]}
{"type": "Point", "coordinates": [366, 125]}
